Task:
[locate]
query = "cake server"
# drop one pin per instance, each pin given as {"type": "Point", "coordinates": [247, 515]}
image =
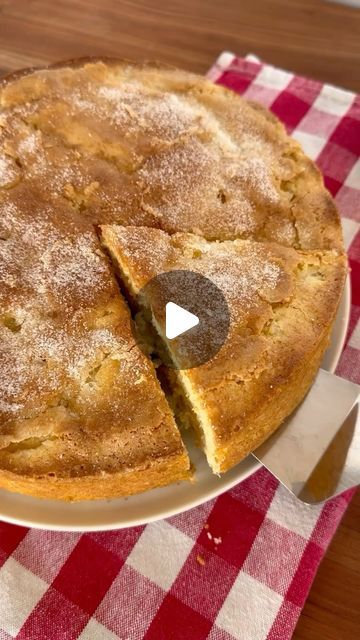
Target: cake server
{"type": "Point", "coordinates": [315, 454]}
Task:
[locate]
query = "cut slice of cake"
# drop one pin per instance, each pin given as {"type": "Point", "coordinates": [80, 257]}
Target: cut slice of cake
{"type": "Point", "coordinates": [81, 411]}
{"type": "Point", "coordinates": [282, 304]}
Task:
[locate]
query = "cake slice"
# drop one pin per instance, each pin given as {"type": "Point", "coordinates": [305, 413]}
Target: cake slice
{"type": "Point", "coordinates": [82, 413]}
{"type": "Point", "coordinates": [282, 304]}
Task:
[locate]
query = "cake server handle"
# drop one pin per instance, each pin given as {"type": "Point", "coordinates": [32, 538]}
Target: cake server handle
{"type": "Point", "coordinates": [315, 454]}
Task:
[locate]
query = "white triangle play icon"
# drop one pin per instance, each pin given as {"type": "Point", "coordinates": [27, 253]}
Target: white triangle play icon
{"type": "Point", "coordinates": [178, 320]}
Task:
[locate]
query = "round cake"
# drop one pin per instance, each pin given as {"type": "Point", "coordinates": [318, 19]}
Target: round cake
{"type": "Point", "coordinates": [111, 168]}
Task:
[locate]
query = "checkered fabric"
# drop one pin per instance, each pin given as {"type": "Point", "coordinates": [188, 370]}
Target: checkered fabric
{"type": "Point", "coordinates": [240, 566]}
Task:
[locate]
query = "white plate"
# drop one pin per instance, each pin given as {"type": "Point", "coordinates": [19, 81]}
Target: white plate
{"type": "Point", "coordinates": [118, 513]}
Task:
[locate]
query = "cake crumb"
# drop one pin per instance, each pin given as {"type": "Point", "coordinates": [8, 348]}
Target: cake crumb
{"type": "Point", "coordinates": [218, 540]}
{"type": "Point", "coordinates": [200, 560]}
{"type": "Point", "coordinates": [209, 535]}
{"type": "Point", "coordinates": [206, 526]}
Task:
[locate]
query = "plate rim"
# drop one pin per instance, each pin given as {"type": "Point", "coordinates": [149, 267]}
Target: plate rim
{"type": "Point", "coordinates": [343, 317]}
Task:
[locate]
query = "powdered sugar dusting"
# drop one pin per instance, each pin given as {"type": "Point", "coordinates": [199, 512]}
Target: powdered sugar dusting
{"type": "Point", "coordinates": [188, 170]}
{"type": "Point", "coordinates": [152, 154]}
{"type": "Point", "coordinates": [43, 357]}
{"type": "Point", "coordinates": [126, 107]}
{"type": "Point", "coordinates": [241, 278]}
{"type": "Point", "coordinates": [49, 260]}
{"type": "Point", "coordinates": [8, 170]}
{"type": "Point", "coordinates": [52, 277]}
{"type": "Point", "coordinates": [164, 115]}
{"type": "Point", "coordinates": [72, 263]}
{"type": "Point", "coordinates": [243, 270]}
{"type": "Point", "coordinates": [190, 188]}
{"type": "Point", "coordinates": [30, 144]}
{"type": "Point", "coordinates": [255, 172]}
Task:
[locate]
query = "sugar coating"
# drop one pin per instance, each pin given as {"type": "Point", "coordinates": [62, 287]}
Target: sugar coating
{"type": "Point", "coordinates": [157, 148]}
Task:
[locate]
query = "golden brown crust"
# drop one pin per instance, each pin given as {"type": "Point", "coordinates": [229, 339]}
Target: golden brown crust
{"type": "Point", "coordinates": [182, 145]}
{"type": "Point", "coordinates": [273, 409]}
{"type": "Point", "coordinates": [75, 63]}
{"type": "Point", "coordinates": [154, 474]}
{"type": "Point", "coordinates": [78, 397]}
{"type": "Point", "coordinates": [88, 142]}
{"type": "Point", "coordinates": [282, 305]}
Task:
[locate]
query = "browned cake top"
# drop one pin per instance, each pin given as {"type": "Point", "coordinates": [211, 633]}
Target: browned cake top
{"type": "Point", "coordinates": [77, 395]}
{"type": "Point", "coordinates": [141, 145]}
{"type": "Point", "coordinates": [282, 303]}
{"type": "Point", "coordinates": [163, 148]}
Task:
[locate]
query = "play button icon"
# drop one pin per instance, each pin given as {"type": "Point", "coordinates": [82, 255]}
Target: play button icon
{"type": "Point", "coordinates": [189, 314]}
{"type": "Point", "coordinates": [178, 320]}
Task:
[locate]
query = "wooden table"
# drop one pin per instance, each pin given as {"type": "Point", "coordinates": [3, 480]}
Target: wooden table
{"type": "Point", "coordinates": [311, 37]}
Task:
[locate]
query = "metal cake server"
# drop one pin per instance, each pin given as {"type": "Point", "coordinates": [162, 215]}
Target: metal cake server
{"type": "Point", "coordinates": [316, 452]}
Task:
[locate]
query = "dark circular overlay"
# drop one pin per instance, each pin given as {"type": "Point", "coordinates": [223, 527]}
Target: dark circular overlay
{"type": "Point", "coordinates": [198, 295]}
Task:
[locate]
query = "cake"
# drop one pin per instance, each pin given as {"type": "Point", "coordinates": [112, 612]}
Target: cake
{"type": "Point", "coordinates": [163, 160]}
{"type": "Point", "coordinates": [281, 303]}
{"type": "Point", "coordinates": [83, 415]}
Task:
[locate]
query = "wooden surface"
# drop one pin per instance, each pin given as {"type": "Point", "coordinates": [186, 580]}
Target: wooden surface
{"type": "Point", "coordinates": [332, 610]}
{"type": "Point", "coordinates": [311, 37]}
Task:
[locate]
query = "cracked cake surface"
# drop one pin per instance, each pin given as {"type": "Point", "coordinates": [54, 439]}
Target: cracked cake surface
{"type": "Point", "coordinates": [281, 302]}
{"type": "Point", "coordinates": [82, 413]}
{"type": "Point", "coordinates": [112, 143]}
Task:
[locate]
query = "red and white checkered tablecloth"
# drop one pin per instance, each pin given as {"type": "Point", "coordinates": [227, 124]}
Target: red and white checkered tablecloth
{"type": "Point", "coordinates": [240, 566]}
